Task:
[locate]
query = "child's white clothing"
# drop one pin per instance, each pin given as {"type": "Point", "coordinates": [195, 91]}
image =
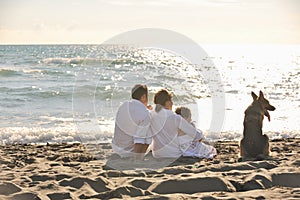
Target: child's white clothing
{"type": "Point", "coordinates": [193, 148]}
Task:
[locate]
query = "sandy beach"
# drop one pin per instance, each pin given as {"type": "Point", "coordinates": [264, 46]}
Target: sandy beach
{"type": "Point", "coordinates": [77, 171]}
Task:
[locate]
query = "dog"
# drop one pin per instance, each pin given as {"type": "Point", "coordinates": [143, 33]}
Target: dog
{"type": "Point", "coordinates": [254, 144]}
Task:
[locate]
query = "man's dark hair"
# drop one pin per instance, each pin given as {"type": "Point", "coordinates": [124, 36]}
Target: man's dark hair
{"type": "Point", "coordinates": [138, 91]}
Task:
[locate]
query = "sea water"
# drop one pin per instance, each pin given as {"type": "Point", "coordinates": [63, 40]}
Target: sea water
{"type": "Point", "coordinates": [70, 93]}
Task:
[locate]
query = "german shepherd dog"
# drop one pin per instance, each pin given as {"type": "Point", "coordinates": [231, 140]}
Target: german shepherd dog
{"type": "Point", "coordinates": [255, 145]}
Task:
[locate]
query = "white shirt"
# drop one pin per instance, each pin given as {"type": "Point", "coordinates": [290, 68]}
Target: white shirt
{"type": "Point", "coordinates": [132, 126]}
{"type": "Point", "coordinates": [165, 125]}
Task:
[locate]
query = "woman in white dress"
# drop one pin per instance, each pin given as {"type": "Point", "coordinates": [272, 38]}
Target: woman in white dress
{"type": "Point", "coordinates": [165, 125]}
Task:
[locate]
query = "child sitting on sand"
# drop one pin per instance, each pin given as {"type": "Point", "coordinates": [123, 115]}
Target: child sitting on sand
{"type": "Point", "coordinates": [192, 148]}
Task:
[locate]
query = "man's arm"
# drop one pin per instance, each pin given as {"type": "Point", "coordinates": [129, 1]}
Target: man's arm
{"type": "Point", "coordinates": [141, 141]}
{"type": "Point", "coordinates": [140, 150]}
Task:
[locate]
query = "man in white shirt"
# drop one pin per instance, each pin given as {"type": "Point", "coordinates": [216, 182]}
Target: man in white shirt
{"type": "Point", "coordinates": [132, 134]}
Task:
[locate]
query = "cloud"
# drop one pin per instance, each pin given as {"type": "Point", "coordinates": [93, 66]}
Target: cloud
{"type": "Point", "coordinates": [157, 3]}
{"type": "Point", "coordinates": [75, 3]}
{"type": "Point", "coordinates": [171, 3]}
{"type": "Point", "coordinates": [72, 26]}
{"type": "Point", "coordinates": [225, 1]}
{"type": "Point", "coordinates": [40, 26]}
{"type": "Point", "coordinates": [120, 2]}
{"type": "Point", "coordinates": [143, 2]}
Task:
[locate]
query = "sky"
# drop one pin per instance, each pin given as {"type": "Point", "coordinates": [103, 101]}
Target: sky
{"type": "Point", "coordinates": [95, 21]}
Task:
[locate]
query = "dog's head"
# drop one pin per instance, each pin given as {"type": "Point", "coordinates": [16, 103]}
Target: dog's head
{"type": "Point", "coordinates": [266, 106]}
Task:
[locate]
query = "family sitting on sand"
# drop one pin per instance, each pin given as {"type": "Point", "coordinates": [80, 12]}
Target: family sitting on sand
{"type": "Point", "coordinates": [140, 128]}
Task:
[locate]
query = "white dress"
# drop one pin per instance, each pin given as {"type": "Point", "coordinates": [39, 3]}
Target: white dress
{"type": "Point", "coordinates": [165, 125]}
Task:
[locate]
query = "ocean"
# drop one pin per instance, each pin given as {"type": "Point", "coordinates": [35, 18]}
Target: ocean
{"type": "Point", "coordinates": [70, 93]}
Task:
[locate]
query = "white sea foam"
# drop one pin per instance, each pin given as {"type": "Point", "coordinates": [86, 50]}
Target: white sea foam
{"type": "Point", "coordinates": [59, 60]}
{"type": "Point", "coordinates": [32, 71]}
{"type": "Point", "coordinates": [37, 135]}
{"type": "Point", "coordinates": [24, 135]}
{"type": "Point", "coordinates": [8, 71]}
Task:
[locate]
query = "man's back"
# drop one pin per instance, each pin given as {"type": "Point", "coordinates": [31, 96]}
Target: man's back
{"type": "Point", "coordinates": [132, 122]}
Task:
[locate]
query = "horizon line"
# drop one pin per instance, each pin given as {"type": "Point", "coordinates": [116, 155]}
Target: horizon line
{"type": "Point", "coordinates": [204, 43]}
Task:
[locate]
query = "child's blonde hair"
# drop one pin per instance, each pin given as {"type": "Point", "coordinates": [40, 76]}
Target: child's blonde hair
{"type": "Point", "coordinates": [184, 112]}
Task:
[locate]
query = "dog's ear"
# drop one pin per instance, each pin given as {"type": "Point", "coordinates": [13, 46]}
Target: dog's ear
{"type": "Point", "coordinates": [254, 96]}
{"type": "Point", "coordinates": [261, 95]}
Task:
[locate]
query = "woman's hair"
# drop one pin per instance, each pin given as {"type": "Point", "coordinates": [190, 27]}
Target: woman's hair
{"type": "Point", "coordinates": [160, 99]}
{"type": "Point", "coordinates": [138, 91]}
{"type": "Point", "coordinates": [184, 112]}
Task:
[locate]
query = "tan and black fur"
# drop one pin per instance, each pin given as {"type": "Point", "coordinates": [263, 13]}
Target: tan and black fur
{"type": "Point", "coordinates": [255, 144]}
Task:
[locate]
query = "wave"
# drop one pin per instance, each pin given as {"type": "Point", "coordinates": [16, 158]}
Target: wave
{"type": "Point", "coordinates": [87, 91]}
{"type": "Point", "coordinates": [90, 61]}
{"type": "Point", "coordinates": [37, 135]}
{"type": "Point", "coordinates": [33, 92]}
{"type": "Point", "coordinates": [9, 72]}
{"type": "Point", "coordinates": [32, 71]}
{"type": "Point", "coordinates": [82, 92]}
{"type": "Point", "coordinates": [59, 60]}
{"type": "Point", "coordinates": [57, 130]}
